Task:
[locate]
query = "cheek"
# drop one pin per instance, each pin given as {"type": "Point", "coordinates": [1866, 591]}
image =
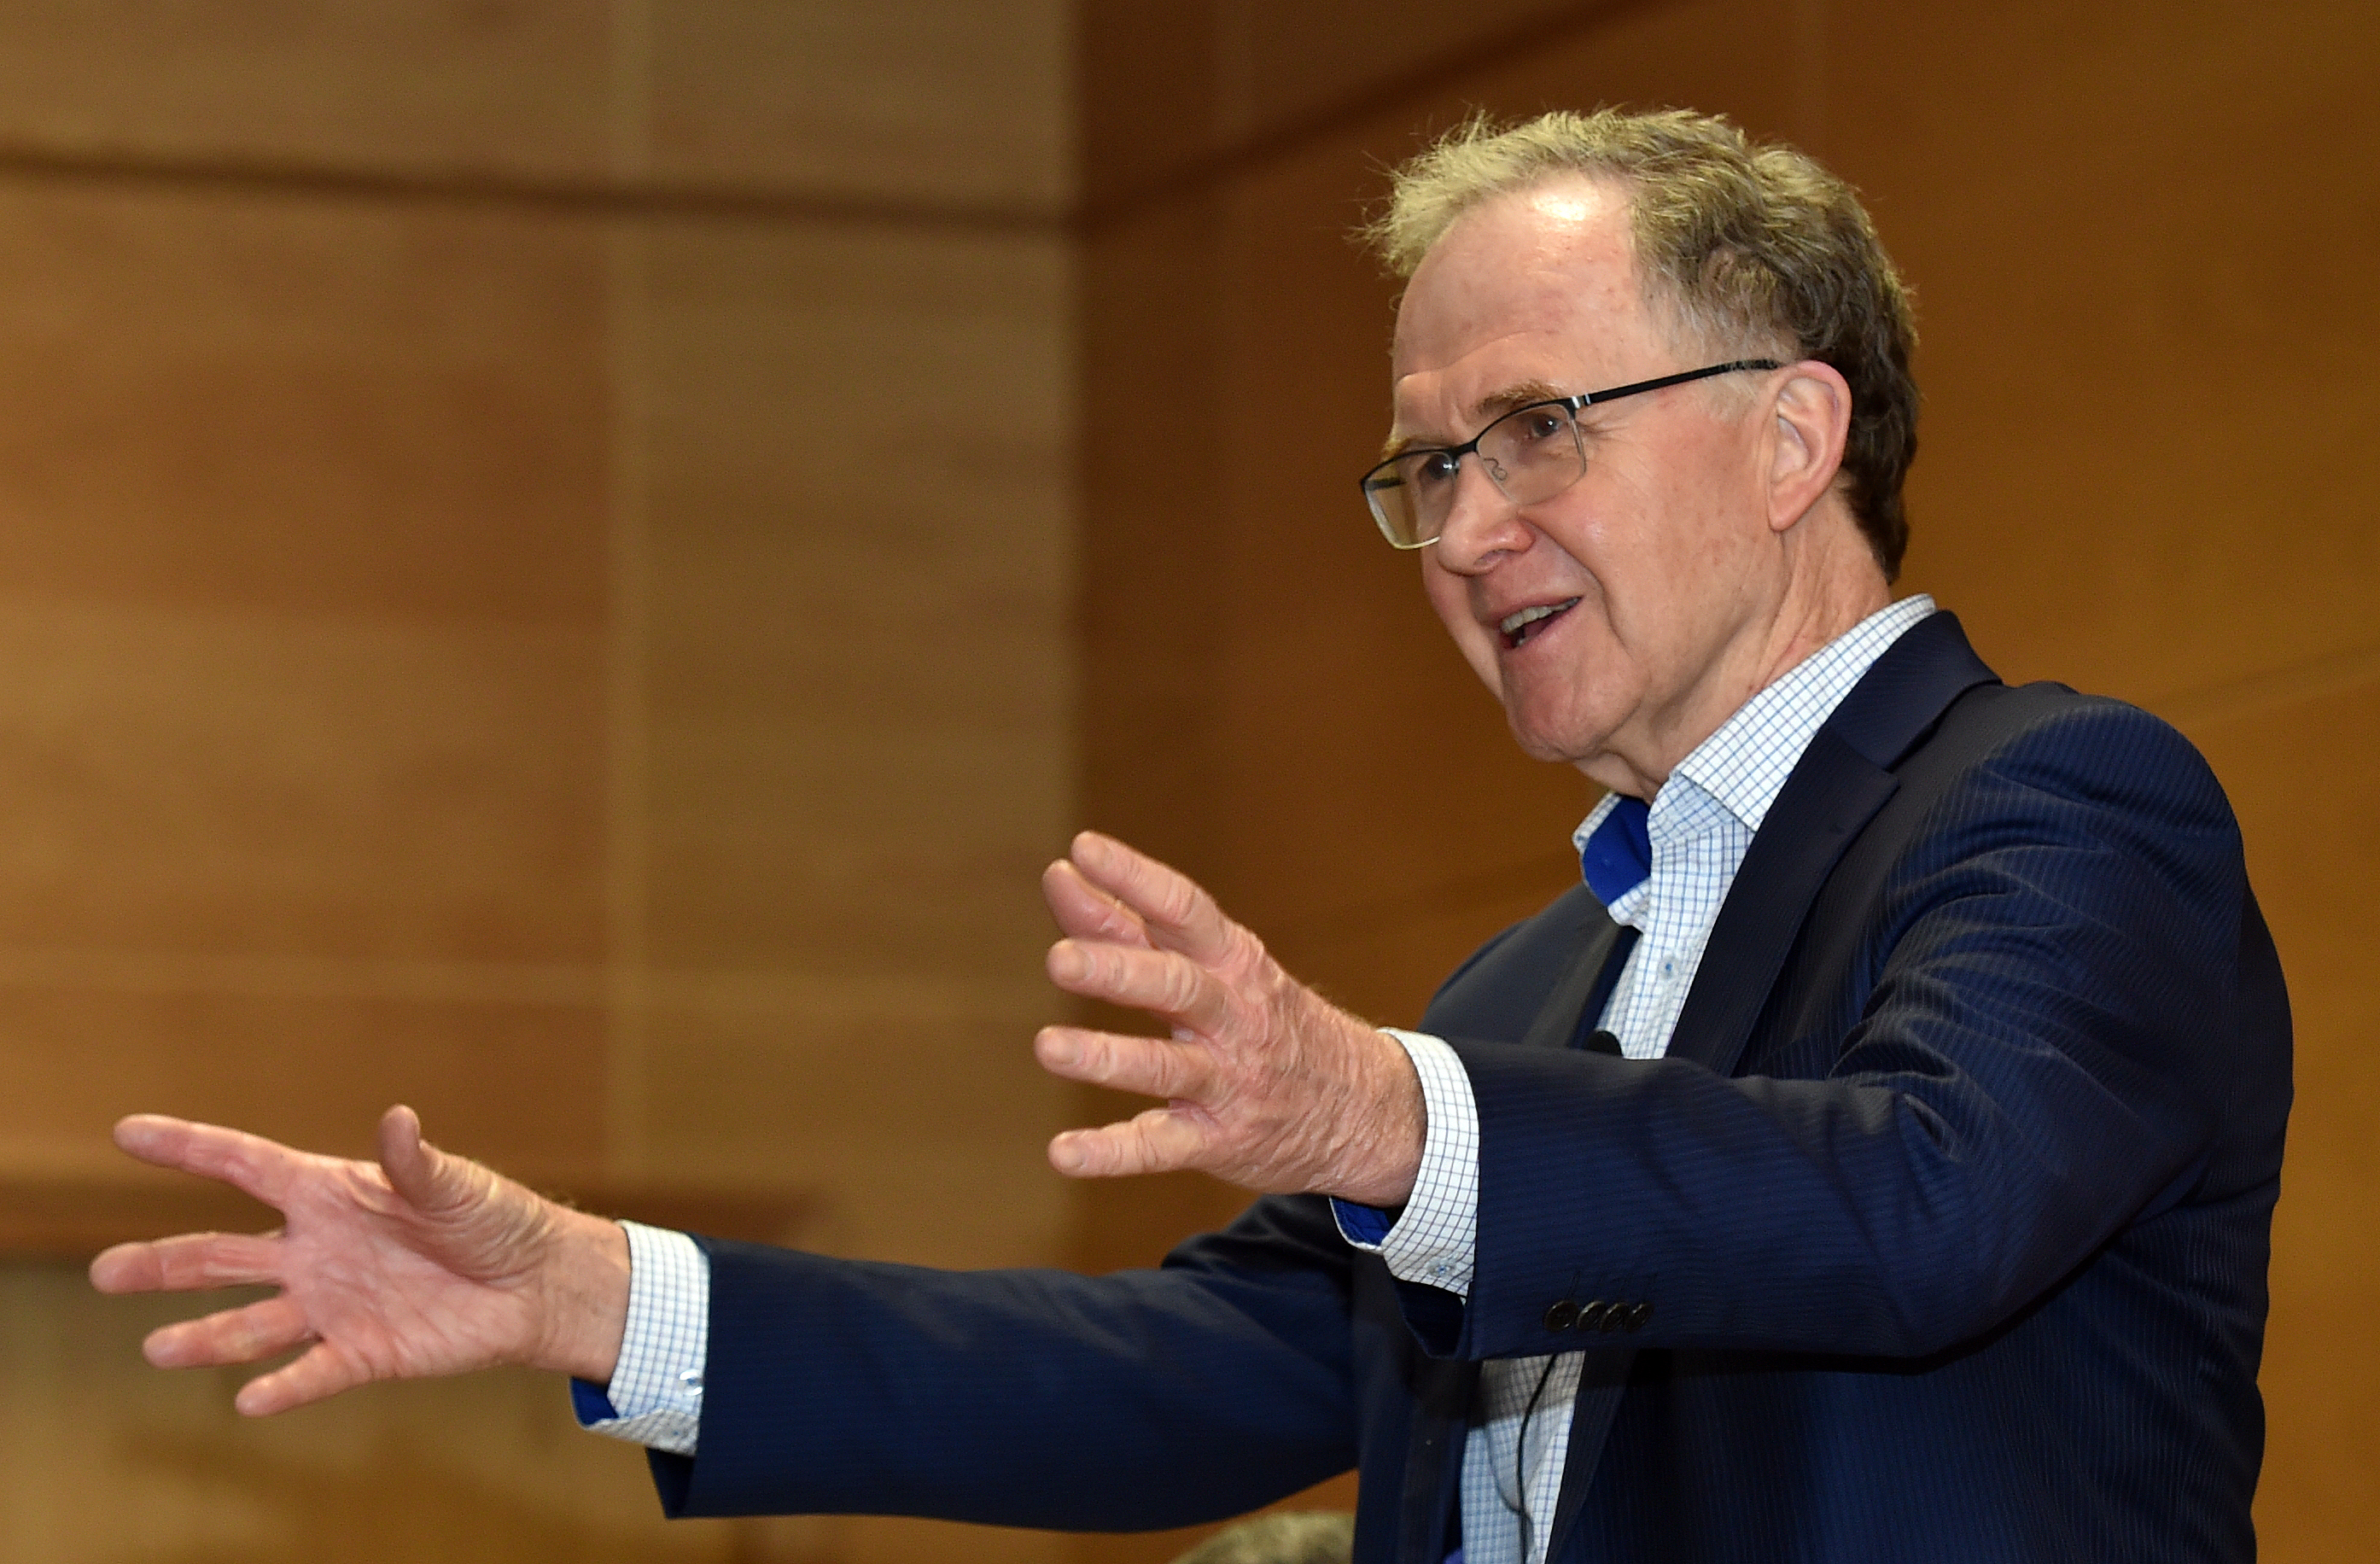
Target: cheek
{"type": "Point", "coordinates": [1448, 595]}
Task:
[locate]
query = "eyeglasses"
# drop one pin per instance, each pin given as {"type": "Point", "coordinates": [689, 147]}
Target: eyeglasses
{"type": "Point", "coordinates": [1531, 454]}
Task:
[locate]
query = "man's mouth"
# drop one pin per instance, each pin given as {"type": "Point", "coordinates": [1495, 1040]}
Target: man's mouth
{"type": "Point", "coordinates": [1519, 626]}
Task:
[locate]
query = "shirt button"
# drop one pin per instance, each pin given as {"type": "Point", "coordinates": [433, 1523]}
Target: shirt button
{"type": "Point", "coordinates": [692, 1380]}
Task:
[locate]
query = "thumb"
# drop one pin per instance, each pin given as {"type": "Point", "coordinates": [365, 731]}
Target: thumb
{"type": "Point", "coordinates": [426, 1177]}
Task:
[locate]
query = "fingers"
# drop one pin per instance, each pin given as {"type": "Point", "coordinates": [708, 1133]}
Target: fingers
{"type": "Point", "coordinates": [1161, 982]}
{"type": "Point", "coordinates": [244, 1335]}
{"type": "Point", "coordinates": [1084, 911]}
{"type": "Point", "coordinates": [404, 1156]}
{"type": "Point", "coordinates": [1150, 1066]}
{"type": "Point", "coordinates": [249, 1163]}
{"type": "Point", "coordinates": [428, 1178]}
{"type": "Point", "coordinates": [1160, 1140]}
{"type": "Point", "coordinates": [185, 1264]}
{"type": "Point", "coordinates": [1176, 913]}
{"type": "Point", "coordinates": [321, 1373]}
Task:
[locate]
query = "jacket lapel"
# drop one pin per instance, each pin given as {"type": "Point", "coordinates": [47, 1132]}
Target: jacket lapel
{"type": "Point", "coordinates": [1559, 1019]}
{"type": "Point", "coordinates": [1433, 1472]}
{"type": "Point", "coordinates": [1601, 1381]}
{"type": "Point", "coordinates": [1841, 781]}
{"type": "Point", "coordinates": [1836, 788]}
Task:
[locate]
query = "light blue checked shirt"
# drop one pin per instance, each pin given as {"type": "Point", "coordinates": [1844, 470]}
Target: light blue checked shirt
{"type": "Point", "coordinates": [1700, 826]}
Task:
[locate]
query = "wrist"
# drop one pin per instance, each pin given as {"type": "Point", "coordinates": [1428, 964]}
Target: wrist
{"type": "Point", "coordinates": [585, 1305]}
{"type": "Point", "coordinates": [1385, 1160]}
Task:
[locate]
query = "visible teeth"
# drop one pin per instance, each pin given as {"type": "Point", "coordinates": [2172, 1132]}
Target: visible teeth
{"type": "Point", "coordinates": [1511, 622]}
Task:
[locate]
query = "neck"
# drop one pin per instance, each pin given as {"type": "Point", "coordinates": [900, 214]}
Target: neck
{"type": "Point", "coordinates": [1818, 606]}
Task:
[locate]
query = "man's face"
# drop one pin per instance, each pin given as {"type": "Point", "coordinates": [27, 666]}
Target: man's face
{"type": "Point", "coordinates": [1660, 563]}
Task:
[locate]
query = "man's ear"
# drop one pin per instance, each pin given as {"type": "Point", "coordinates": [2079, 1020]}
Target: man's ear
{"type": "Point", "coordinates": [1813, 412]}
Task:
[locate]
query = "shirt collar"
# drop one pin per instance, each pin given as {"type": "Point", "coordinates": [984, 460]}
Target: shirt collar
{"type": "Point", "coordinates": [1742, 767]}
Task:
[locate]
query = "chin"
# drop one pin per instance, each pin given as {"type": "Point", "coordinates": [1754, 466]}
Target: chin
{"type": "Point", "coordinates": [1554, 749]}
{"type": "Point", "coordinates": [1565, 731]}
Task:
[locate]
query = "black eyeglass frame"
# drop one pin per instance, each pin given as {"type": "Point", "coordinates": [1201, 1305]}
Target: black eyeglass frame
{"type": "Point", "coordinates": [1572, 405]}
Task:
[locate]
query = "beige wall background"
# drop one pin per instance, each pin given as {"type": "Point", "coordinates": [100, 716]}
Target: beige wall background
{"type": "Point", "coordinates": [567, 562]}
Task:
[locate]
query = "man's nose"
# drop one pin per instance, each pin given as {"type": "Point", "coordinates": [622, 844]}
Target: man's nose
{"type": "Point", "coordinates": [1482, 525]}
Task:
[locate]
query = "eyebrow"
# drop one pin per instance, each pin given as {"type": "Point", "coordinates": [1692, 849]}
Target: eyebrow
{"type": "Point", "coordinates": [1484, 411]}
{"type": "Point", "coordinates": [1494, 406]}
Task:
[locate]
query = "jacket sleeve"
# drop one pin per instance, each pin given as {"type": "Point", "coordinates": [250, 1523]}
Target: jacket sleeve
{"type": "Point", "coordinates": [2042, 1029]}
{"type": "Point", "coordinates": [1147, 1398]}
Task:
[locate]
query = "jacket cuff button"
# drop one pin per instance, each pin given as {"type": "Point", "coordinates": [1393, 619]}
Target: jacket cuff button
{"type": "Point", "coordinates": [1561, 1313]}
{"type": "Point", "coordinates": [1591, 1317]}
{"type": "Point", "coordinates": [1638, 1316]}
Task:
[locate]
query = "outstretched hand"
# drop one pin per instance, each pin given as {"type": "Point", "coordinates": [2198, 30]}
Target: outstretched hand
{"type": "Point", "coordinates": [422, 1263]}
{"type": "Point", "coordinates": [1267, 1083]}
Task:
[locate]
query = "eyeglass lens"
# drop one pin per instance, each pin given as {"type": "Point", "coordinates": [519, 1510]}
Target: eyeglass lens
{"type": "Point", "coordinates": [1531, 454]}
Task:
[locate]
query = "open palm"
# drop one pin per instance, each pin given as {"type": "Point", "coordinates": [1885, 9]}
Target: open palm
{"type": "Point", "coordinates": [424, 1264]}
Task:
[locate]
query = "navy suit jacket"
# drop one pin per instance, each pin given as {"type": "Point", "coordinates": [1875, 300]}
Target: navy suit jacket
{"type": "Point", "coordinates": [1942, 1226]}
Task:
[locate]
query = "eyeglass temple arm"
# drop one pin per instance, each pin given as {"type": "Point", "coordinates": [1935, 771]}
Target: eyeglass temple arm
{"type": "Point", "coordinates": [1588, 398]}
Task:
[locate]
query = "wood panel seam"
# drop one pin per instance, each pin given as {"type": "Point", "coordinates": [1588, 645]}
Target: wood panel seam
{"type": "Point", "coordinates": [810, 994]}
{"type": "Point", "coordinates": [627, 726]}
{"type": "Point", "coordinates": [558, 196]}
{"type": "Point", "coordinates": [647, 197]}
{"type": "Point", "coordinates": [2310, 680]}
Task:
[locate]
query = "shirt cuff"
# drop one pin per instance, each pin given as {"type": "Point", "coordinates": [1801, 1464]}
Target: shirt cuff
{"type": "Point", "coordinates": [655, 1396]}
{"type": "Point", "coordinates": [1434, 1241]}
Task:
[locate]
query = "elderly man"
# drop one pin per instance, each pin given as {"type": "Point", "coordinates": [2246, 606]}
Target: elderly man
{"type": "Point", "coordinates": [1874, 1158]}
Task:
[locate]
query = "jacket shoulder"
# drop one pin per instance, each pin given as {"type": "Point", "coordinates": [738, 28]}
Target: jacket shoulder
{"type": "Point", "coordinates": [2049, 735]}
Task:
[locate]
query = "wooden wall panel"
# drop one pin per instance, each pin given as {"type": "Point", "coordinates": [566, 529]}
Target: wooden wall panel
{"type": "Point", "coordinates": [303, 505]}
{"type": "Point", "coordinates": [537, 582]}
{"type": "Point", "coordinates": [1151, 384]}
{"type": "Point", "coordinates": [901, 104]}
{"type": "Point", "coordinates": [858, 699]}
{"type": "Point", "coordinates": [241, 785]}
{"type": "Point", "coordinates": [266, 401]}
{"type": "Point", "coordinates": [411, 86]}
{"type": "Point", "coordinates": [2145, 328]}
{"type": "Point", "coordinates": [859, 599]}
{"type": "Point", "coordinates": [896, 101]}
